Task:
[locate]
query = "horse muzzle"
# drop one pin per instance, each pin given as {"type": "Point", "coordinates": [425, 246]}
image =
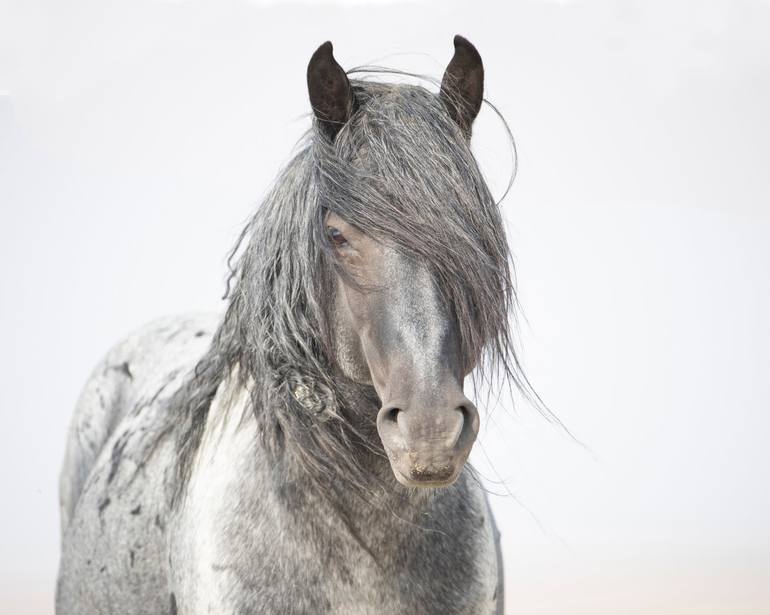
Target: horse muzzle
{"type": "Point", "coordinates": [427, 445]}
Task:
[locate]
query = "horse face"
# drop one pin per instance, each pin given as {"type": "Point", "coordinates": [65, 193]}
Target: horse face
{"type": "Point", "coordinates": [394, 332]}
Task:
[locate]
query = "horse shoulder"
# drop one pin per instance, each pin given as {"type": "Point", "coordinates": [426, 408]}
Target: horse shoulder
{"type": "Point", "coordinates": [112, 504]}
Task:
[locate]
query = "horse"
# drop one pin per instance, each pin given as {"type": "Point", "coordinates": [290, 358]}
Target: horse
{"type": "Point", "coordinates": [306, 451]}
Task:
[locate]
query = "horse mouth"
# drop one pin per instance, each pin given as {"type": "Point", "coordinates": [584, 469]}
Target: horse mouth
{"type": "Point", "coordinates": [417, 476]}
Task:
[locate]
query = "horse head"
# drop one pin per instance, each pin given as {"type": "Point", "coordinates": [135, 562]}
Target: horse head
{"type": "Point", "coordinates": [406, 290]}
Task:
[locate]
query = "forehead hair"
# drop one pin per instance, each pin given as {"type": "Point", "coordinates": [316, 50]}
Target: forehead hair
{"type": "Point", "coordinates": [402, 171]}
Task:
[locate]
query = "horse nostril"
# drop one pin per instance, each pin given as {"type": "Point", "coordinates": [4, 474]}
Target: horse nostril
{"type": "Point", "coordinates": [470, 424]}
{"type": "Point", "coordinates": [390, 430]}
{"type": "Point", "coordinates": [467, 413]}
{"type": "Point", "coordinates": [391, 415]}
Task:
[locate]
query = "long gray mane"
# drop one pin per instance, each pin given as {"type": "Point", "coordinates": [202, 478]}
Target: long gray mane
{"type": "Point", "coordinates": [401, 171]}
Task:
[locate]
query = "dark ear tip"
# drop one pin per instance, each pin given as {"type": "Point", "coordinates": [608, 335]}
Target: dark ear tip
{"type": "Point", "coordinates": [462, 44]}
{"type": "Point", "coordinates": [325, 50]}
{"type": "Point", "coordinates": [329, 89]}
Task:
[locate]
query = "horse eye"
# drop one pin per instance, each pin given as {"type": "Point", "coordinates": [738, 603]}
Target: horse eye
{"type": "Point", "coordinates": [338, 239]}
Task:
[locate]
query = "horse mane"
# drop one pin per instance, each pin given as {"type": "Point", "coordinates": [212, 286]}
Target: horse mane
{"type": "Point", "coordinates": [402, 171]}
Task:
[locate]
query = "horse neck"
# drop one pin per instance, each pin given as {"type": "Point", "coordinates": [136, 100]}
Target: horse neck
{"type": "Point", "coordinates": [385, 502]}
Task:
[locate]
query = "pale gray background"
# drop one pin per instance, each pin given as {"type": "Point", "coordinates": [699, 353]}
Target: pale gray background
{"type": "Point", "coordinates": [136, 138]}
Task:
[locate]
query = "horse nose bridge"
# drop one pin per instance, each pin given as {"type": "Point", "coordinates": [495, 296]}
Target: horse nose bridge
{"type": "Point", "coordinates": [416, 318]}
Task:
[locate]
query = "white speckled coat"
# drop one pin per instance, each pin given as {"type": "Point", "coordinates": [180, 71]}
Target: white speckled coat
{"type": "Point", "coordinates": [234, 546]}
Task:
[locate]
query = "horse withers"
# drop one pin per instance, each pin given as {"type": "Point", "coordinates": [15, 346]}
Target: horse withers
{"type": "Point", "coordinates": [306, 452]}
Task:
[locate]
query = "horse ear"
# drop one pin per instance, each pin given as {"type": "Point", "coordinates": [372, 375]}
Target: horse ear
{"type": "Point", "coordinates": [462, 88]}
{"type": "Point", "coordinates": [330, 94]}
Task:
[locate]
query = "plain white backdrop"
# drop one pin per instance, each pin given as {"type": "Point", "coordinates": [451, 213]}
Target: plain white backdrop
{"type": "Point", "coordinates": [137, 137]}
